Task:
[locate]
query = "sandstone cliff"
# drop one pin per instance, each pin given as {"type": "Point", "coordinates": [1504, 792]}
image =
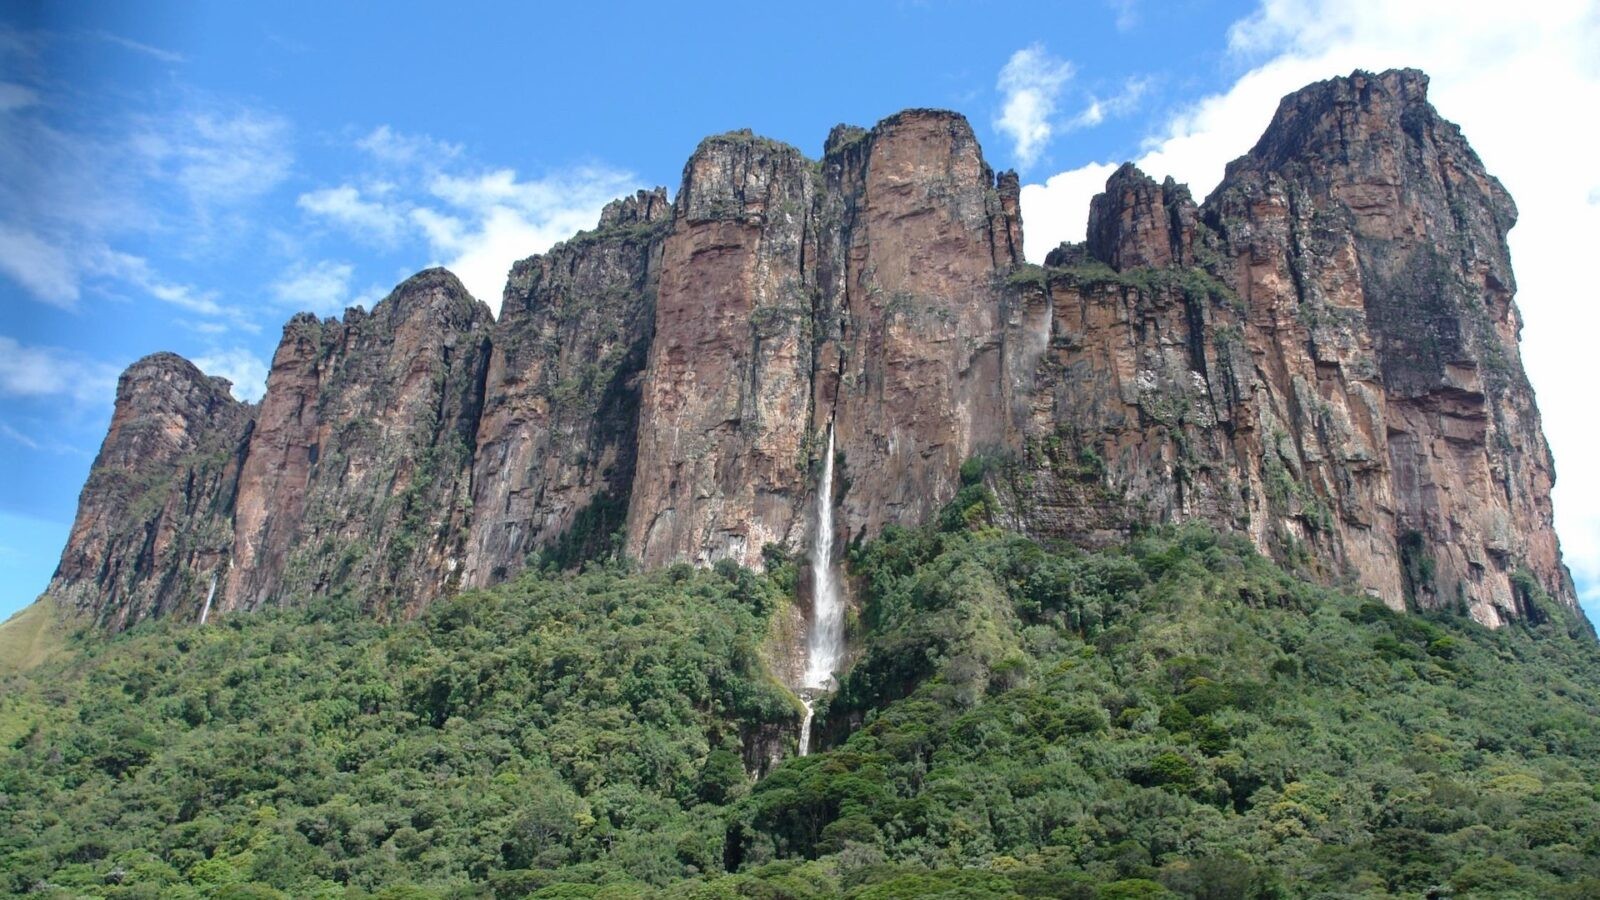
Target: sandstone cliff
{"type": "Point", "coordinates": [154, 529]}
{"type": "Point", "coordinates": [557, 438]}
{"type": "Point", "coordinates": [1322, 355]}
{"type": "Point", "coordinates": [356, 477]}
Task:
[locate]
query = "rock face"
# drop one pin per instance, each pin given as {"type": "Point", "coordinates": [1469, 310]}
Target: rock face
{"type": "Point", "coordinates": [862, 294]}
{"type": "Point", "coordinates": [357, 475]}
{"type": "Point", "coordinates": [1322, 355]}
{"type": "Point", "coordinates": [557, 439]}
{"type": "Point", "coordinates": [721, 470]}
{"type": "Point", "coordinates": [155, 522]}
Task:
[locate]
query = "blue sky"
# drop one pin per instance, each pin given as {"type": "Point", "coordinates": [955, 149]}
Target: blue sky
{"type": "Point", "coordinates": [186, 176]}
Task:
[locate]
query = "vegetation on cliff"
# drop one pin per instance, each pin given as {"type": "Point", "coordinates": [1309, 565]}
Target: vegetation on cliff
{"type": "Point", "coordinates": [1173, 717]}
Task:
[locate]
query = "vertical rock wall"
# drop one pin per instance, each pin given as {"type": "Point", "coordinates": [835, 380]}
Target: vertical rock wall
{"type": "Point", "coordinates": [556, 442]}
{"type": "Point", "coordinates": [1322, 356]}
{"type": "Point", "coordinates": [155, 523]}
{"type": "Point", "coordinates": [357, 475]}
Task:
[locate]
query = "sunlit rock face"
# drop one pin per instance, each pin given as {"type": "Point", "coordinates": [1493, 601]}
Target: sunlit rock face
{"type": "Point", "coordinates": [1322, 356]}
{"type": "Point", "coordinates": [155, 520]}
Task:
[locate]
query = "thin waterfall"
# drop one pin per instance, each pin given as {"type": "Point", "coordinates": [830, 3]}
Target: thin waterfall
{"type": "Point", "coordinates": [206, 610]}
{"type": "Point", "coordinates": [825, 643]}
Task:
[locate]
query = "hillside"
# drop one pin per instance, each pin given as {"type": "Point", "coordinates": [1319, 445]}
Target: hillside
{"type": "Point", "coordinates": [1176, 716]}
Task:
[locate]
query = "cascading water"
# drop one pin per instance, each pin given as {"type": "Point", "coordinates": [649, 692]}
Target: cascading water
{"type": "Point", "coordinates": [824, 644]}
{"type": "Point", "coordinates": [206, 610]}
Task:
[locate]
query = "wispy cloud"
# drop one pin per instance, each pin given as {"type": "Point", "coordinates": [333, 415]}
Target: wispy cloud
{"type": "Point", "coordinates": [156, 53]}
{"type": "Point", "coordinates": [217, 157]}
{"type": "Point", "coordinates": [1029, 86]}
{"type": "Point", "coordinates": [73, 198]}
{"type": "Point", "coordinates": [1124, 101]}
{"type": "Point", "coordinates": [473, 220]}
{"type": "Point", "coordinates": [322, 287]}
{"type": "Point", "coordinates": [368, 220]}
{"type": "Point", "coordinates": [43, 268]}
{"type": "Point", "coordinates": [16, 96]}
{"type": "Point", "coordinates": [394, 148]}
{"type": "Point", "coordinates": [246, 370]}
{"type": "Point", "coordinates": [28, 370]}
{"type": "Point", "coordinates": [1126, 12]}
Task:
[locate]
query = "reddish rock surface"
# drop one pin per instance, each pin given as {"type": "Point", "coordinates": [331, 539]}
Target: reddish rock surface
{"type": "Point", "coordinates": [155, 523]}
{"type": "Point", "coordinates": [357, 476]}
{"type": "Point", "coordinates": [1322, 356]}
{"type": "Point", "coordinates": [1338, 374]}
{"type": "Point", "coordinates": [556, 442]}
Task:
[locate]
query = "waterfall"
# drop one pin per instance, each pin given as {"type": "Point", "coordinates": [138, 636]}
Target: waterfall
{"type": "Point", "coordinates": [805, 723]}
{"type": "Point", "coordinates": [206, 610]}
{"type": "Point", "coordinates": [824, 643]}
{"type": "Point", "coordinates": [827, 607]}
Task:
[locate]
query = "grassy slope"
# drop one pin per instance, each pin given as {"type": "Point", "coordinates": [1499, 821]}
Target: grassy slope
{"type": "Point", "coordinates": [30, 637]}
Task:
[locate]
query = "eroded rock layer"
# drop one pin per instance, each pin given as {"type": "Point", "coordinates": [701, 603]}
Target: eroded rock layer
{"type": "Point", "coordinates": [357, 475]}
{"type": "Point", "coordinates": [556, 441]}
{"type": "Point", "coordinates": [1322, 355]}
{"type": "Point", "coordinates": [155, 521]}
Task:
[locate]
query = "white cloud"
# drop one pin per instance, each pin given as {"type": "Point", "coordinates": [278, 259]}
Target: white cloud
{"type": "Point", "coordinates": [71, 197]}
{"type": "Point", "coordinates": [35, 371]}
{"type": "Point", "coordinates": [498, 219]}
{"type": "Point", "coordinates": [368, 220]}
{"type": "Point", "coordinates": [137, 271]}
{"type": "Point", "coordinates": [322, 287]}
{"type": "Point", "coordinates": [16, 96]}
{"type": "Point", "coordinates": [1127, 13]}
{"type": "Point", "coordinates": [246, 370]}
{"type": "Point", "coordinates": [1120, 103]}
{"type": "Point", "coordinates": [43, 268]}
{"type": "Point", "coordinates": [1029, 86]}
{"type": "Point", "coordinates": [218, 158]}
{"type": "Point", "coordinates": [156, 53]}
{"type": "Point", "coordinates": [1522, 81]}
{"type": "Point", "coordinates": [394, 148]}
{"type": "Point", "coordinates": [1058, 210]}
{"type": "Point", "coordinates": [475, 222]}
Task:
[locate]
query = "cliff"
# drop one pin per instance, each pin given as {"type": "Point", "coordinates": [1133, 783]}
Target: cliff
{"type": "Point", "coordinates": [1322, 355]}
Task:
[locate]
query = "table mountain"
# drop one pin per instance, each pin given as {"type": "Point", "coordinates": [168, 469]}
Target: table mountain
{"type": "Point", "coordinates": [1322, 355]}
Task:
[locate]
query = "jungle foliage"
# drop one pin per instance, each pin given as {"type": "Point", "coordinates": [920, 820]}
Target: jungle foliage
{"type": "Point", "coordinates": [1173, 718]}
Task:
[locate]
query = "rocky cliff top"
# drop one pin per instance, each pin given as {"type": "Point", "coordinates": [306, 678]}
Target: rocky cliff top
{"type": "Point", "coordinates": [1322, 356]}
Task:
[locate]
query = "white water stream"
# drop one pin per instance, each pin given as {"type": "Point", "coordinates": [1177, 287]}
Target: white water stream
{"type": "Point", "coordinates": [206, 610]}
{"type": "Point", "coordinates": [825, 643]}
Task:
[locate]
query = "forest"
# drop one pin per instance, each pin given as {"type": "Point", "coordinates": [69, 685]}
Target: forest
{"type": "Point", "coordinates": [1173, 717]}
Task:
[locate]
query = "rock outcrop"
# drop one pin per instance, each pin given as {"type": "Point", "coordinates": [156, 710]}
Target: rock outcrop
{"type": "Point", "coordinates": [154, 530]}
{"type": "Point", "coordinates": [357, 474]}
{"type": "Point", "coordinates": [1322, 355]}
{"type": "Point", "coordinates": [557, 439]}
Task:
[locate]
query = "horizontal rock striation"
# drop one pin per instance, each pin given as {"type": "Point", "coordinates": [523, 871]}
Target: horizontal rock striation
{"type": "Point", "coordinates": [1322, 355]}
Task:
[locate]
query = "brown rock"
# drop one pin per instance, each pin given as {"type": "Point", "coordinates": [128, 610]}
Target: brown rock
{"type": "Point", "coordinates": [721, 465]}
{"type": "Point", "coordinates": [1323, 356]}
{"type": "Point", "coordinates": [357, 476]}
{"type": "Point", "coordinates": [556, 442]}
{"type": "Point", "coordinates": [154, 524]}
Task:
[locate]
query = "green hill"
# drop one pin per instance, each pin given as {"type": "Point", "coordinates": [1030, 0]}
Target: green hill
{"type": "Point", "coordinates": [1177, 717]}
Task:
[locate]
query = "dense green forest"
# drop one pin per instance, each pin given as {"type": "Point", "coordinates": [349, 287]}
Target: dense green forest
{"type": "Point", "coordinates": [1175, 717]}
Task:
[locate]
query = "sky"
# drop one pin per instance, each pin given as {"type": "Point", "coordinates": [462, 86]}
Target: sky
{"type": "Point", "coordinates": [186, 176]}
